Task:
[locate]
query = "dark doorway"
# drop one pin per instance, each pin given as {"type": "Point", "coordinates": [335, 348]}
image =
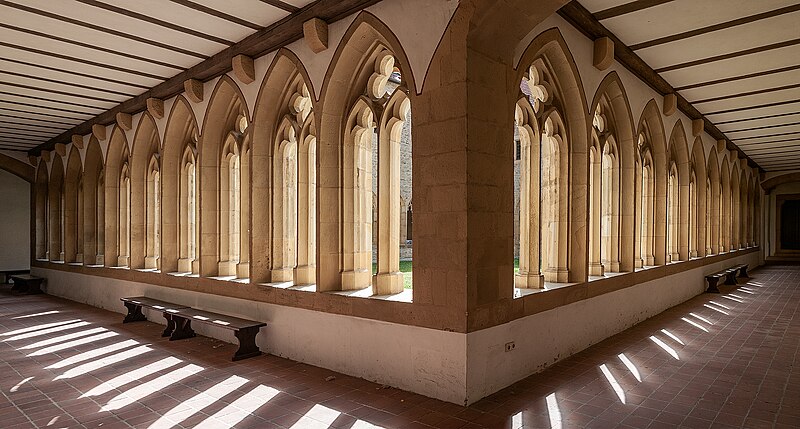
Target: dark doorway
{"type": "Point", "coordinates": [790, 225]}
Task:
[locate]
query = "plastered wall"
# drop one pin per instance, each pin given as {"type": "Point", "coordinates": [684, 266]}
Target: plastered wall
{"type": "Point", "coordinates": [15, 209]}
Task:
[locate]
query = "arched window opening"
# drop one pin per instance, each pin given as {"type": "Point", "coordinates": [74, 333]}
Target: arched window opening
{"type": "Point", "coordinates": [358, 244]}
{"type": "Point", "coordinates": [55, 209]}
{"type": "Point", "coordinates": [604, 196]}
{"type": "Point", "coordinates": [124, 216]}
{"type": "Point", "coordinates": [673, 214]}
{"type": "Point", "coordinates": [41, 203]}
{"type": "Point", "coordinates": [526, 195]}
{"type": "Point", "coordinates": [230, 205]}
{"type": "Point", "coordinates": [153, 214]}
{"type": "Point", "coordinates": [100, 214]}
{"type": "Point", "coordinates": [709, 216]}
{"type": "Point", "coordinates": [693, 216]}
{"type": "Point", "coordinates": [721, 219]}
{"type": "Point", "coordinates": [377, 149]}
{"type": "Point", "coordinates": [79, 219]}
{"type": "Point", "coordinates": [187, 258]}
{"type": "Point", "coordinates": [540, 206]}
{"type": "Point", "coordinates": [645, 201]}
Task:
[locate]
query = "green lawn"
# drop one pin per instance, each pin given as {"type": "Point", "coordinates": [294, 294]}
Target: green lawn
{"type": "Point", "coordinates": [405, 268]}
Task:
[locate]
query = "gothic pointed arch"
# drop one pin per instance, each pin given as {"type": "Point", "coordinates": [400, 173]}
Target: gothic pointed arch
{"type": "Point", "coordinates": [713, 205]}
{"type": "Point", "coordinates": [651, 162]}
{"type": "Point", "coordinates": [117, 201]}
{"type": "Point", "coordinates": [93, 204]}
{"type": "Point", "coordinates": [225, 123]}
{"type": "Point", "coordinates": [613, 155]}
{"type": "Point", "coordinates": [280, 233]}
{"type": "Point", "coordinates": [179, 208]}
{"type": "Point", "coordinates": [55, 212]}
{"type": "Point", "coordinates": [735, 201]}
{"type": "Point", "coordinates": [725, 201]}
{"type": "Point", "coordinates": [698, 200]}
{"type": "Point", "coordinates": [73, 208]}
{"type": "Point", "coordinates": [354, 92]}
{"type": "Point", "coordinates": [41, 187]}
{"type": "Point", "coordinates": [678, 177]}
{"type": "Point", "coordinates": [145, 195]}
{"type": "Point", "coordinates": [562, 82]}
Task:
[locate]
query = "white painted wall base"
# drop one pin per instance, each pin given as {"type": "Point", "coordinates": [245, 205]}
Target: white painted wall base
{"type": "Point", "coordinates": [427, 361]}
{"type": "Point", "coordinates": [454, 367]}
{"type": "Point", "coordinates": [550, 336]}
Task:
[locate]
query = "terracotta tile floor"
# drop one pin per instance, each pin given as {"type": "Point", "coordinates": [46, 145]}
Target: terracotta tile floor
{"type": "Point", "coordinates": [728, 360]}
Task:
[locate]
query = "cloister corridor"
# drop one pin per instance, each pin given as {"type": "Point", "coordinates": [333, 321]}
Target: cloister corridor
{"type": "Point", "coordinates": [721, 361]}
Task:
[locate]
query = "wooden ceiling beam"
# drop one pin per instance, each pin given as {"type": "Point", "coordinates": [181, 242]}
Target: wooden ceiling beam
{"type": "Point", "coordinates": [583, 20]}
{"type": "Point", "coordinates": [270, 38]}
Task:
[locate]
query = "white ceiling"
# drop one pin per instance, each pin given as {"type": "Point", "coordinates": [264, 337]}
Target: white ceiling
{"type": "Point", "coordinates": [736, 61]}
{"type": "Point", "coordinates": [63, 62]}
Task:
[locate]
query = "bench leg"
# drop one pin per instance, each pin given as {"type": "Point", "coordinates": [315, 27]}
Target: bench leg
{"type": "Point", "coordinates": [183, 328]}
{"type": "Point", "coordinates": [134, 313]}
{"type": "Point", "coordinates": [170, 325]}
{"type": "Point", "coordinates": [743, 273]}
{"type": "Point", "coordinates": [730, 278]}
{"type": "Point", "coordinates": [33, 287]}
{"type": "Point", "coordinates": [247, 344]}
{"type": "Point", "coordinates": [712, 284]}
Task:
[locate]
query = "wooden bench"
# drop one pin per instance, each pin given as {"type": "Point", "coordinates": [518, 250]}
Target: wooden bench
{"type": "Point", "coordinates": [7, 274]}
{"type": "Point", "coordinates": [179, 323]}
{"type": "Point", "coordinates": [244, 330]}
{"type": "Point", "coordinates": [135, 304]}
{"type": "Point", "coordinates": [729, 274]}
{"type": "Point", "coordinates": [27, 283]}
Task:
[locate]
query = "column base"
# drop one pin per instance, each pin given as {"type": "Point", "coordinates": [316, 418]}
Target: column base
{"type": "Point", "coordinates": [285, 274]}
{"type": "Point", "coordinates": [387, 283]}
{"type": "Point", "coordinates": [185, 265]}
{"type": "Point", "coordinates": [243, 270]}
{"type": "Point", "coordinates": [650, 260]}
{"type": "Point", "coordinates": [122, 261]}
{"type": "Point", "coordinates": [558, 275]}
{"type": "Point", "coordinates": [639, 263]}
{"type": "Point", "coordinates": [709, 251]}
{"type": "Point", "coordinates": [226, 268]}
{"type": "Point", "coordinates": [693, 254]}
{"type": "Point", "coordinates": [611, 266]}
{"type": "Point", "coordinates": [529, 281]}
{"type": "Point", "coordinates": [305, 275]}
{"type": "Point", "coordinates": [151, 262]}
{"type": "Point", "coordinates": [356, 279]}
{"type": "Point", "coordinates": [79, 257]}
{"type": "Point", "coordinates": [596, 269]}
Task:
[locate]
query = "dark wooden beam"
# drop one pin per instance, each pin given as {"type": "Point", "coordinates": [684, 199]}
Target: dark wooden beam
{"type": "Point", "coordinates": [742, 53]}
{"type": "Point", "coordinates": [257, 44]}
{"type": "Point", "coordinates": [745, 94]}
{"type": "Point", "coordinates": [90, 46]}
{"type": "Point", "coordinates": [80, 60]}
{"type": "Point", "coordinates": [756, 118]}
{"type": "Point", "coordinates": [717, 27]}
{"type": "Point", "coordinates": [160, 22]}
{"type": "Point", "coordinates": [757, 106]}
{"type": "Point", "coordinates": [764, 127]}
{"type": "Point", "coordinates": [281, 5]}
{"type": "Point", "coordinates": [217, 13]}
{"type": "Point", "coordinates": [580, 18]}
{"type": "Point", "coordinates": [88, 76]}
{"type": "Point", "coordinates": [627, 8]}
{"type": "Point", "coordinates": [739, 77]}
{"type": "Point", "coordinates": [106, 30]}
{"type": "Point", "coordinates": [61, 82]}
